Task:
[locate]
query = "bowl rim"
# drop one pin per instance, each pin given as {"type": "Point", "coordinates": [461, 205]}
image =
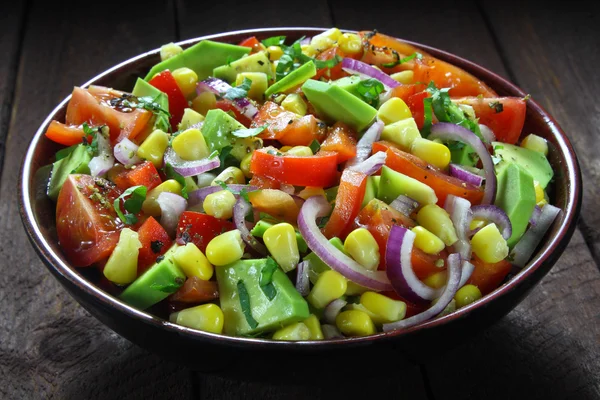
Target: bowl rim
{"type": "Point", "coordinates": [56, 265]}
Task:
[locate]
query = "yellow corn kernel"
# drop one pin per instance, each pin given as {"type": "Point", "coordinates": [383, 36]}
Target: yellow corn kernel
{"type": "Point", "coordinates": [226, 248]}
{"type": "Point", "coordinates": [190, 117]}
{"type": "Point", "coordinates": [121, 267]}
{"type": "Point", "coordinates": [314, 326]}
{"type": "Point", "coordinates": [378, 320]}
{"type": "Point", "coordinates": [476, 224]}
{"type": "Point", "coordinates": [388, 309]}
{"type": "Point", "coordinates": [275, 52]}
{"type": "Point", "coordinates": [540, 196]}
{"type": "Point", "coordinates": [489, 245]}
{"type": "Point", "coordinates": [230, 175]}
{"type": "Point", "coordinates": [330, 285]}
{"type": "Point", "coordinates": [293, 332]}
{"type": "Point", "coordinates": [535, 143]}
{"type": "Point", "coordinates": [206, 317]}
{"type": "Point", "coordinates": [393, 110]}
{"type": "Point", "coordinates": [150, 206]}
{"type": "Point", "coordinates": [434, 153]}
{"type": "Point", "coordinates": [283, 149]}
{"type": "Point", "coordinates": [219, 204]}
{"type": "Point", "coordinates": [363, 248]}
{"type": "Point", "coordinates": [350, 43]}
{"type": "Point", "coordinates": [403, 133]}
{"type": "Point", "coordinates": [355, 323]}
{"type": "Point", "coordinates": [325, 40]}
{"type": "Point", "coordinates": [308, 50]}
{"type": "Point", "coordinates": [437, 221]}
{"type": "Point", "coordinates": [244, 146]}
{"type": "Point", "coordinates": [245, 165]}
{"type": "Point", "coordinates": [187, 80]}
{"type": "Point", "coordinates": [427, 241]}
{"type": "Point", "coordinates": [467, 295]}
{"type": "Point", "coordinates": [260, 82]}
{"type": "Point", "coordinates": [280, 240]}
{"type": "Point", "coordinates": [193, 262]}
{"type": "Point", "coordinates": [293, 102]}
{"type": "Point", "coordinates": [354, 289]}
{"type": "Point", "coordinates": [190, 145]}
{"type": "Point", "coordinates": [405, 77]}
{"type": "Point", "coordinates": [153, 147]}
{"type": "Point", "coordinates": [169, 50]}
{"type": "Point", "coordinates": [311, 191]}
{"type": "Point", "coordinates": [436, 280]}
{"type": "Point", "coordinates": [203, 102]}
{"type": "Point", "coordinates": [301, 151]}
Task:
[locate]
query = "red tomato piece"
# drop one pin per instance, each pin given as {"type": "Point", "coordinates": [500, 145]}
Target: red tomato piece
{"type": "Point", "coordinates": [335, 72]}
{"type": "Point", "coordinates": [417, 108]}
{"type": "Point", "coordinates": [341, 140]}
{"type": "Point", "coordinates": [200, 228]}
{"type": "Point", "coordinates": [349, 198]}
{"type": "Point", "coordinates": [227, 105]}
{"type": "Point", "coordinates": [486, 276]}
{"type": "Point", "coordinates": [194, 291]}
{"type": "Point", "coordinates": [253, 43]}
{"type": "Point", "coordinates": [67, 135]}
{"type": "Point", "coordinates": [165, 82]}
{"type": "Point", "coordinates": [263, 182]}
{"type": "Point", "coordinates": [144, 174]}
{"type": "Point", "coordinates": [155, 242]}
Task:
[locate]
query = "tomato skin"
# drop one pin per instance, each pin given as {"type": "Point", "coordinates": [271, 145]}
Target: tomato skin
{"type": "Point", "coordinates": [319, 170]}
{"type": "Point", "coordinates": [253, 43]}
{"type": "Point", "coordinates": [349, 198]}
{"type": "Point", "coordinates": [200, 228]}
{"type": "Point", "coordinates": [86, 223]}
{"type": "Point", "coordinates": [155, 242]}
{"type": "Point", "coordinates": [144, 174]}
{"type": "Point", "coordinates": [441, 183]}
{"type": "Point", "coordinates": [67, 135]}
{"type": "Point", "coordinates": [404, 91]}
{"type": "Point", "coordinates": [165, 82]}
{"type": "Point", "coordinates": [341, 140]}
{"type": "Point", "coordinates": [487, 277]}
{"type": "Point", "coordinates": [336, 72]}
{"type": "Point", "coordinates": [417, 108]}
{"type": "Point", "coordinates": [227, 105]}
{"type": "Point", "coordinates": [263, 182]}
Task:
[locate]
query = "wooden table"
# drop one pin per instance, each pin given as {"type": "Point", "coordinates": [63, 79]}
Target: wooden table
{"type": "Point", "coordinates": [547, 348]}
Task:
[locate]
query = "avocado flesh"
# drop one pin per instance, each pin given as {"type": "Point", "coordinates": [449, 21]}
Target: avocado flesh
{"type": "Point", "coordinates": [75, 163]}
{"type": "Point", "coordinates": [531, 161]}
{"type": "Point", "coordinates": [515, 194]}
{"type": "Point", "coordinates": [371, 189]}
{"type": "Point", "coordinates": [393, 184]}
{"type": "Point", "coordinates": [202, 58]}
{"type": "Point", "coordinates": [287, 307]}
{"type": "Point", "coordinates": [294, 78]}
{"type": "Point", "coordinates": [349, 84]}
{"type": "Point", "coordinates": [217, 129]}
{"type": "Point", "coordinates": [333, 103]}
{"type": "Point", "coordinates": [144, 89]}
{"type": "Point", "coordinates": [257, 62]}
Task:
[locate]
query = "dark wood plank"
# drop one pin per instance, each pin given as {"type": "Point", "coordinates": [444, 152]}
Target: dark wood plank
{"type": "Point", "coordinates": [51, 347]}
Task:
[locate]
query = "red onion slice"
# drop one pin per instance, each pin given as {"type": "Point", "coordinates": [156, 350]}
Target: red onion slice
{"type": "Point", "coordinates": [104, 161]}
{"type": "Point", "coordinates": [331, 332]}
{"type": "Point", "coordinates": [525, 247]}
{"type": "Point", "coordinates": [197, 196]}
{"type": "Point", "coordinates": [171, 207]}
{"type": "Point", "coordinates": [190, 168]}
{"type": "Point", "coordinates": [449, 131]}
{"type": "Point", "coordinates": [302, 278]}
{"type": "Point", "coordinates": [332, 310]}
{"type": "Point", "coordinates": [240, 210]}
{"type": "Point", "coordinates": [404, 205]}
{"type": "Point", "coordinates": [399, 267]}
{"type": "Point", "coordinates": [218, 87]}
{"type": "Point", "coordinates": [535, 215]}
{"type": "Point", "coordinates": [463, 174]}
{"type": "Point", "coordinates": [371, 164]}
{"type": "Point", "coordinates": [367, 71]}
{"type": "Point", "coordinates": [317, 206]}
{"type": "Point", "coordinates": [452, 285]}
{"type": "Point", "coordinates": [364, 147]}
{"type": "Point", "coordinates": [487, 133]}
{"type": "Point", "coordinates": [461, 216]}
{"type": "Point", "coordinates": [496, 215]}
{"type": "Point", "coordinates": [126, 152]}
{"type": "Point", "coordinates": [465, 273]}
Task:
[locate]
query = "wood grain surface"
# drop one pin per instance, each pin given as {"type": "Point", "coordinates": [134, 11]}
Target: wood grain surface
{"type": "Point", "coordinates": [547, 348]}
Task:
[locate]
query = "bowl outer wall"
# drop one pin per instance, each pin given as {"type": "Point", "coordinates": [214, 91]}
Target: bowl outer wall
{"type": "Point", "coordinates": [188, 346]}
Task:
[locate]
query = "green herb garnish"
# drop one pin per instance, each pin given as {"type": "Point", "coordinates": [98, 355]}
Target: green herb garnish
{"type": "Point", "coordinates": [128, 101]}
{"type": "Point", "coordinates": [497, 106]}
{"type": "Point", "coordinates": [169, 287]}
{"type": "Point", "coordinates": [369, 90]}
{"type": "Point", "coordinates": [244, 133]}
{"type": "Point", "coordinates": [132, 205]}
{"type": "Point", "coordinates": [293, 58]}
{"type": "Point", "coordinates": [266, 278]}
{"type": "Point", "coordinates": [245, 304]}
{"type": "Point", "coordinates": [399, 60]}
{"type": "Point", "coordinates": [274, 41]}
{"type": "Point", "coordinates": [238, 92]}
{"type": "Point", "coordinates": [315, 146]}
{"type": "Point", "coordinates": [90, 138]}
{"type": "Point", "coordinates": [172, 174]}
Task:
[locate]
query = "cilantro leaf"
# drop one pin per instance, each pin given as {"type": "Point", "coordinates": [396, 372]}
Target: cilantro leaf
{"type": "Point", "coordinates": [315, 146]}
{"type": "Point", "coordinates": [172, 174]}
{"type": "Point", "coordinates": [427, 117]}
{"type": "Point", "coordinates": [369, 90]}
{"type": "Point", "coordinates": [273, 41]}
{"type": "Point", "coordinates": [399, 60]}
{"type": "Point", "coordinates": [266, 278]}
{"type": "Point", "coordinates": [171, 287]}
{"type": "Point", "coordinates": [245, 304]}
{"type": "Point", "coordinates": [244, 195]}
{"type": "Point", "coordinates": [293, 58]}
{"type": "Point", "coordinates": [238, 92]}
{"type": "Point", "coordinates": [244, 133]}
{"type": "Point", "coordinates": [90, 138]}
{"type": "Point", "coordinates": [497, 106]}
{"type": "Point", "coordinates": [132, 205]}
{"type": "Point", "coordinates": [128, 101]}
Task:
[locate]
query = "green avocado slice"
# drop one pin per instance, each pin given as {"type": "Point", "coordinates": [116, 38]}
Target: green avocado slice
{"type": "Point", "coordinates": [531, 161]}
{"type": "Point", "coordinates": [294, 78]}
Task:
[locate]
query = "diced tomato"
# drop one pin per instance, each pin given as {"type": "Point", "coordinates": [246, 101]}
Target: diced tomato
{"type": "Point", "coordinates": [336, 72]}
{"type": "Point", "coordinates": [380, 40]}
{"type": "Point", "coordinates": [227, 105]}
{"type": "Point", "coordinates": [417, 108]}
{"type": "Point", "coordinates": [287, 127]}
{"type": "Point", "coordinates": [194, 291]}
{"type": "Point", "coordinates": [276, 203]}
{"type": "Point", "coordinates": [155, 242]}
{"type": "Point", "coordinates": [86, 223]}
{"type": "Point", "coordinates": [342, 140]}
{"type": "Point", "coordinates": [200, 228]}
{"type": "Point", "coordinates": [142, 174]}
{"type": "Point", "coordinates": [165, 82]}
{"type": "Point", "coordinates": [348, 200]}
{"type": "Point", "coordinates": [319, 170]}
{"type": "Point", "coordinates": [404, 92]}
{"type": "Point", "coordinates": [424, 264]}
{"type": "Point", "coordinates": [67, 135]}
{"type": "Point", "coordinates": [264, 182]}
{"type": "Point", "coordinates": [253, 43]}
{"type": "Point", "coordinates": [442, 183]}
{"type": "Point", "coordinates": [505, 116]}
{"type": "Point", "coordinates": [486, 276]}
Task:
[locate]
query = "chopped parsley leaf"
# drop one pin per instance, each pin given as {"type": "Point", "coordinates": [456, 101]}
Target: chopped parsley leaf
{"type": "Point", "coordinates": [315, 146]}
{"type": "Point", "coordinates": [497, 106]}
{"type": "Point", "coordinates": [399, 60]}
{"type": "Point", "coordinates": [273, 41]}
{"type": "Point", "coordinates": [238, 92]}
{"type": "Point", "coordinates": [244, 133]}
{"type": "Point", "coordinates": [369, 90]}
{"type": "Point", "coordinates": [132, 205]}
{"type": "Point", "coordinates": [245, 304]}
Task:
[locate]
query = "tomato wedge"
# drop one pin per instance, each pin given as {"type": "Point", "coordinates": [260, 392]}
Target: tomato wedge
{"type": "Point", "coordinates": [165, 82]}
{"type": "Point", "coordinates": [487, 277]}
{"type": "Point", "coordinates": [417, 107]}
{"type": "Point", "coordinates": [67, 135]}
{"type": "Point", "coordinates": [227, 106]}
{"type": "Point", "coordinates": [319, 170]}
{"type": "Point", "coordinates": [342, 140]}
{"type": "Point", "coordinates": [335, 72]}
{"type": "Point", "coordinates": [155, 242]}
{"type": "Point", "coordinates": [144, 174]}
{"type": "Point", "coordinates": [200, 228]}
{"type": "Point", "coordinates": [348, 200]}
{"type": "Point", "coordinates": [253, 43]}
{"type": "Point", "coordinates": [441, 183]}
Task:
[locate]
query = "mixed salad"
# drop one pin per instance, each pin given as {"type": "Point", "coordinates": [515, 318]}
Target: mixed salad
{"type": "Point", "coordinates": [335, 186]}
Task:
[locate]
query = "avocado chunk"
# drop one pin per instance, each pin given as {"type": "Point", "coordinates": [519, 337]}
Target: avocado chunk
{"type": "Point", "coordinates": [202, 58]}
{"type": "Point", "coordinates": [463, 154]}
{"type": "Point", "coordinates": [371, 189]}
{"type": "Point", "coordinates": [515, 194]}
{"type": "Point", "coordinates": [262, 225]}
{"type": "Point", "coordinates": [286, 307]}
{"type": "Point", "coordinates": [294, 78]}
{"type": "Point", "coordinates": [349, 84]}
{"type": "Point", "coordinates": [76, 162]}
{"type": "Point", "coordinates": [392, 184]}
{"type": "Point", "coordinates": [257, 62]}
{"type": "Point", "coordinates": [335, 104]}
{"type": "Point", "coordinates": [217, 129]}
{"type": "Point", "coordinates": [533, 162]}
{"type": "Point", "coordinates": [156, 284]}
{"type": "Point", "coordinates": [144, 89]}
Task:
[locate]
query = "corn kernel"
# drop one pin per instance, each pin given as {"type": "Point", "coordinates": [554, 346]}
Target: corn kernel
{"type": "Point", "coordinates": [314, 326]}
{"type": "Point", "coordinates": [260, 82]}
{"type": "Point", "coordinates": [427, 241]}
{"type": "Point", "coordinates": [325, 40]}
{"type": "Point", "coordinates": [489, 245]}
{"type": "Point", "coordinates": [403, 133]}
{"type": "Point", "coordinates": [205, 317]}
{"type": "Point", "coordinates": [219, 204]}
{"type": "Point", "coordinates": [437, 221]}
{"type": "Point", "coordinates": [169, 50]}
{"type": "Point", "coordinates": [477, 224]}
{"type": "Point", "coordinates": [230, 175]}
{"type": "Point", "coordinates": [190, 145]}
{"type": "Point", "coordinates": [405, 77]}
{"type": "Point", "coordinates": [245, 165]}
{"type": "Point", "coordinates": [280, 240]}
{"type": "Point", "coordinates": [226, 248]}
{"type": "Point", "coordinates": [330, 285]}
{"type": "Point", "coordinates": [293, 332]}
{"type": "Point", "coordinates": [393, 110]}
{"type": "Point", "coordinates": [467, 295]}
{"type": "Point", "coordinates": [193, 262]}
{"type": "Point", "coordinates": [190, 118]}
{"type": "Point", "coordinates": [354, 289]}
{"type": "Point", "coordinates": [121, 267]}
{"type": "Point", "coordinates": [436, 280]}
{"type": "Point", "coordinates": [363, 248]}
{"type": "Point", "coordinates": [150, 206]}
{"type": "Point", "coordinates": [187, 80]}
{"type": "Point", "coordinates": [300, 151]}
{"type": "Point", "coordinates": [293, 102]}
{"type": "Point", "coordinates": [153, 147]}
{"type": "Point", "coordinates": [283, 149]}
{"type": "Point", "coordinates": [308, 50]}
{"type": "Point", "coordinates": [378, 320]}
{"type": "Point", "coordinates": [388, 309]}
{"type": "Point", "coordinates": [436, 154]}
{"type": "Point", "coordinates": [350, 43]}
{"type": "Point", "coordinates": [535, 143]}
{"type": "Point", "coordinates": [540, 195]}
{"type": "Point", "coordinates": [310, 191]}
{"type": "Point", "coordinates": [275, 52]}
{"type": "Point", "coordinates": [204, 102]}
{"type": "Point", "coordinates": [355, 323]}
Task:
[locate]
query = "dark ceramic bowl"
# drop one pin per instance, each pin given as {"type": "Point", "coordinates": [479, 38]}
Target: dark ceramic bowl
{"type": "Point", "coordinates": [244, 356]}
